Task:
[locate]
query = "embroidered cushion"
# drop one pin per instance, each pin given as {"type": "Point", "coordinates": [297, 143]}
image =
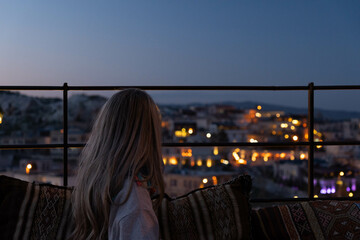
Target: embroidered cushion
{"type": "Point", "coordinates": [216, 212]}
{"type": "Point", "coordinates": [34, 211]}
{"type": "Point", "coordinates": [321, 219]}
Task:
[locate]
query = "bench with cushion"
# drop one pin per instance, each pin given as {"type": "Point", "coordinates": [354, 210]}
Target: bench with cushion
{"type": "Point", "coordinates": [43, 211]}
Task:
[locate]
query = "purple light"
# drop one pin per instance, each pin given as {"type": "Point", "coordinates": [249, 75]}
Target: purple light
{"type": "Point", "coordinates": [323, 191]}
{"type": "Point", "coordinates": [315, 181]}
{"type": "Point", "coordinates": [353, 187]}
{"type": "Point", "coordinates": [333, 190]}
{"type": "Point", "coordinates": [328, 191]}
{"type": "Point", "coordinates": [348, 189]}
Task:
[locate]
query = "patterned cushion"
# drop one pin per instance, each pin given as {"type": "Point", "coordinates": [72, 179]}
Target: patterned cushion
{"type": "Point", "coordinates": [322, 219]}
{"type": "Point", "coordinates": [217, 212]}
{"type": "Point", "coordinates": [33, 211]}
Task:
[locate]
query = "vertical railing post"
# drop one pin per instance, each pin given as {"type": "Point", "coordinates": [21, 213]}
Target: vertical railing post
{"type": "Point", "coordinates": [65, 133]}
{"type": "Point", "coordinates": [311, 141]}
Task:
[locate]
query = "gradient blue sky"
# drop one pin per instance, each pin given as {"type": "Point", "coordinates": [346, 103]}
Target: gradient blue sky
{"type": "Point", "coordinates": [182, 43]}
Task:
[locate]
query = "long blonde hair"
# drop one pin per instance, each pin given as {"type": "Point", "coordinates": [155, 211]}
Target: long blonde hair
{"type": "Point", "coordinates": [125, 138]}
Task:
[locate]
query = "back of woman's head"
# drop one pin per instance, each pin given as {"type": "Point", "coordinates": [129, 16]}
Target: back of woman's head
{"type": "Point", "coordinates": [125, 139]}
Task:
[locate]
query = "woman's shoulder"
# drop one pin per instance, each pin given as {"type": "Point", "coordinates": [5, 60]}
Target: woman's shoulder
{"type": "Point", "coordinates": [134, 219]}
{"type": "Point", "coordinates": [138, 199]}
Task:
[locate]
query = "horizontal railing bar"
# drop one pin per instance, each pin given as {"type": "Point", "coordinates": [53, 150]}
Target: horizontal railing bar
{"type": "Point", "coordinates": [169, 88]}
{"type": "Point", "coordinates": [273, 200]}
{"type": "Point", "coordinates": [228, 88]}
{"type": "Point", "coordinates": [238, 144]}
{"type": "Point", "coordinates": [270, 88]}
{"type": "Point", "coordinates": [9, 88]}
{"type": "Point", "coordinates": [253, 88]}
{"type": "Point", "coordinates": [337, 87]}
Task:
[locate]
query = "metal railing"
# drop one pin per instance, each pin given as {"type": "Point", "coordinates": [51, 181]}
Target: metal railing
{"type": "Point", "coordinates": [311, 144]}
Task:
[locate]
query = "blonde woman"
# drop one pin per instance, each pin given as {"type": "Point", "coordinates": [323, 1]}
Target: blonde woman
{"type": "Point", "coordinates": [120, 164]}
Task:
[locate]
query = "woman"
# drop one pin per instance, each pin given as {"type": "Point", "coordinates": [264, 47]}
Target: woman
{"type": "Point", "coordinates": [119, 165]}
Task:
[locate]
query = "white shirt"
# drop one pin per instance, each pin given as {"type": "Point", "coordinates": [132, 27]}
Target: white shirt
{"type": "Point", "coordinates": [135, 219]}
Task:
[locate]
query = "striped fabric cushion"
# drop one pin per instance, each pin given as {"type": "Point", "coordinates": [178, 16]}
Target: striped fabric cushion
{"type": "Point", "coordinates": [322, 219]}
{"type": "Point", "coordinates": [217, 212]}
{"type": "Point", "coordinates": [33, 211]}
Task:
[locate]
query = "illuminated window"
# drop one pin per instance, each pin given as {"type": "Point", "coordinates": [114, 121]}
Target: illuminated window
{"type": "Point", "coordinates": [209, 163]}
{"type": "Point", "coordinates": [214, 179]}
{"type": "Point", "coordinates": [173, 161]}
{"type": "Point", "coordinates": [216, 151]}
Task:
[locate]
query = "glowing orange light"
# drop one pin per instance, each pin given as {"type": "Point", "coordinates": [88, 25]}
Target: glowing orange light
{"type": "Point", "coordinates": [216, 151]}
{"type": "Point", "coordinates": [224, 161]}
{"type": "Point", "coordinates": [214, 179]}
{"type": "Point", "coordinates": [254, 156]}
{"type": "Point", "coordinates": [242, 161]}
{"type": "Point", "coordinates": [186, 152]}
{"type": "Point", "coordinates": [296, 122]}
{"type": "Point", "coordinates": [181, 133]}
{"type": "Point", "coordinates": [266, 156]}
{"type": "Point", "coordinates": [28, 167]}
{"type": "Point", "coordinates": [173, 161]}
{"type": "Point", "coordinates": [236, 156]}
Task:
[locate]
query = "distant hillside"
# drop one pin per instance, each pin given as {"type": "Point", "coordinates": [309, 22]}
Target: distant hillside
{"type": "Point", "coordinates": [320, 114]}
{"type": "Point", "coordinates": [29, 114]}
{"type": "Point", "coordinates": [330, 115]}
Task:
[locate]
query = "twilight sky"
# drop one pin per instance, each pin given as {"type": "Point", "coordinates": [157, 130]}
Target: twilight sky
{"type": "Point", "coordinates": [186, 43]}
